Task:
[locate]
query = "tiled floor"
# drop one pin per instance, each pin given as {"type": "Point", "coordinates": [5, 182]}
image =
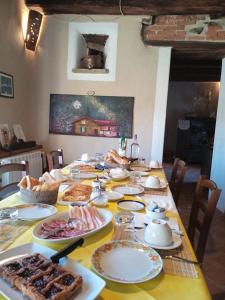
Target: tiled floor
{"type": "Point", "coordinates": [214, 261]}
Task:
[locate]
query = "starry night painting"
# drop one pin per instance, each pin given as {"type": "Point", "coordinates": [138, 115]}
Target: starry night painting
{"type": "Point", "coordinates": [91, 115]}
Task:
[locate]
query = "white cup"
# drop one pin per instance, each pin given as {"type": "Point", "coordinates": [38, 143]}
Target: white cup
{"type": "Point", "coordinates": [158, 233]}
{"type": "Point", "coordinates": [152, 182]}
{"type": "Point", "coordinates": [85, 157]}
{"type": "Point", "coordinates": [154, 164]}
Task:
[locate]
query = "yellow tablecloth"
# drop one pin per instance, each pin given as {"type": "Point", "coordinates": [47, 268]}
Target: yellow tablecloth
{"type": "Point", "coordinates": [163, 287]}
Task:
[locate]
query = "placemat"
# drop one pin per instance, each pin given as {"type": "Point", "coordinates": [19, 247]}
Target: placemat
{"type": "Point", "coordinates": [161, 192]}
{"type": "Point", "coordinates": [10, 231]}
{"type": "Point", "coordinates": [179, 267]}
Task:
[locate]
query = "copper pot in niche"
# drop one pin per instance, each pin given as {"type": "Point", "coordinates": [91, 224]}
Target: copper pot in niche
{"type": "Point", "coordinates": [91, 62]}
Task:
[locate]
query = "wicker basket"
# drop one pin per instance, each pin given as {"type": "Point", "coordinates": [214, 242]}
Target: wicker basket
{"type": "Point", "coordinates": [47, 197]}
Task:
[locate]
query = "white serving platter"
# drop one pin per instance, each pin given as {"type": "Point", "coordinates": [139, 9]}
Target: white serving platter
{"type": "Point", "coordinates": [106, 214]}
{"type": "Point", "coordinates": [92, 284]}
{"type": "Point", "coordinates": [127, 262]}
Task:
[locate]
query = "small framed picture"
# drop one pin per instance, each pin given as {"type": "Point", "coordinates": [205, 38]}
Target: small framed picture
{"type": "Point", "coordinates": [6, 85]}
{"type": "Point", "coordinates": [5, 135]}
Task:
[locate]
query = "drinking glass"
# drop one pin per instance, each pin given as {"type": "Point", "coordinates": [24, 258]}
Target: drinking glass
{"type": "Point", "coordinates": [124, 226]}
{"type": "Point", "coordinates": [75, 173]}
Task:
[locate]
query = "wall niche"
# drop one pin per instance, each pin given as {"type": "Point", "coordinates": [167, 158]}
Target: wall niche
{"type": "Point", "coordinates": [92, 50]}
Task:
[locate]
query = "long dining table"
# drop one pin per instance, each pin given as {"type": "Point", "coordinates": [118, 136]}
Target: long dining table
{"type": "Point", "coordinates": [163, 287]}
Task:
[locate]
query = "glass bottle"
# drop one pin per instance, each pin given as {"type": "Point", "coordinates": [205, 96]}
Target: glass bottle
{"type": "Point", "coordinates": [134, 149]}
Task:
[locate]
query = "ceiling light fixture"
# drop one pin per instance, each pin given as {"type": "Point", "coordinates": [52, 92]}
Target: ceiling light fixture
{"type": "Point", "coordinates": [33, 29]}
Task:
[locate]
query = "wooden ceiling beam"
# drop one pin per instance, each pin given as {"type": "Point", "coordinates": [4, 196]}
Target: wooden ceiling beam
{"type": "Point", "coordinates": [129, 7]}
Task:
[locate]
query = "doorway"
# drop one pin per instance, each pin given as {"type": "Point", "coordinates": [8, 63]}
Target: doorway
{"type": "Point", "coordinates": [191, 112]}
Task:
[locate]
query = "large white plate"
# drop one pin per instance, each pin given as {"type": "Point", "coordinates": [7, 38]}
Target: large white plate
{"type": "Point", "coordinates": [34, 212]}
{"type": "Point", "coordinates": [126, 262]}
{"type": "Point", "coordinates": [113, 196]}
{"type": "Point", "coordinates": [132, 205]}
{"type": "Point", "coordinates": [106, 214]}
{"type": "Point", "coordinates": [128, 189]}
{"type": "Point", "coordinates": [175, 244]}
{"type": "Point", "coordinates": [92, 284]}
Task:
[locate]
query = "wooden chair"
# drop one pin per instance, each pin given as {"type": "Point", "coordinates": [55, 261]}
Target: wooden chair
{"type": "Point", "coordinates": [206, 197]}
{"type": "Point", "coordinates": [10, 188]}
{"type": "Point", "coordinates": [55, 159]}
{"type": "Point", "coordinates": [177, 178]}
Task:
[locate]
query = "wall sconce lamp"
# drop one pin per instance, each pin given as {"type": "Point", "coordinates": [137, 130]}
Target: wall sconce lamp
{"type": "Point", "coordinates": [33, 29]}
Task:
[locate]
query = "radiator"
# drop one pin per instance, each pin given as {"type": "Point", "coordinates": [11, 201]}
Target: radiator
{"type": "Point", "coordinates": [35, 166]}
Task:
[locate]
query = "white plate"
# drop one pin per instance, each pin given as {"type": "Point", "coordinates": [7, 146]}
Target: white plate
{"type": "Point", "coordinates": [127, 262]}
{"type": "Point", "coordinates": [175, 244]}
{"type": "Point", "coordinates": [131, 205]}
{"type": "Point", "coordinates": [113, 196]}
{"type": "Point", "coordinates": [85, 175]}
{"type": "Point", "coordinates": [140, 173]}
{"type": "Point", "coordinates": [128, 189]}
{"type": "Point", "coordinates": [62, 202]}
{"type": "Point", "coordinates": [140, 168]}
{"type": "Point", "coordinates": [106, 214]}
{"type": "Point", "coordinates": [119, 178]}
{"type": "Point", "coordinates": [163, 185]}
{"type": "Point", "coordinates": [34, 212]}
{"type": "Point", "coordinates": [92, 284]}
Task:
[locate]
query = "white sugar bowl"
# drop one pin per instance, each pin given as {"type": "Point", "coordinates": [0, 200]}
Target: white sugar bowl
{"type": "Point", "coordinates": [158, 233]}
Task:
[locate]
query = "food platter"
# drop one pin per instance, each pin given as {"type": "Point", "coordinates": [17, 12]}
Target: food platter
{"type": "Point", "coordinates": [92, 284]}
{"type": "Point", "coordinates": [64, 216]}
{"type": "Point", "coordinates": [142, 263]}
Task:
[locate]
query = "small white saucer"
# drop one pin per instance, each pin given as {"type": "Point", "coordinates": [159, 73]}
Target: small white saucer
{"type": "Point", "coordinates": [163, 185]}
{"type": "Point", "coordinates": [175, 244]}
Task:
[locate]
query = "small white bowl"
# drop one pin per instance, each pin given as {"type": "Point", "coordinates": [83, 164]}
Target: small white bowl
{"type": "Point", "coordinates": [158, 233]}
{"type": "Point", "coordinates": [154, 214]}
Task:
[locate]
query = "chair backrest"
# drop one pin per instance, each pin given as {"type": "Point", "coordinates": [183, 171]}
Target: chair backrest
{"type": "Point", "coordinates": [177, 178]}
{"type": "Point", "coordinates": [206, 197]}
{"type": "Point", "coordinates": [55, 159]}
{"type": "Point", "coordinates": [23, 166]}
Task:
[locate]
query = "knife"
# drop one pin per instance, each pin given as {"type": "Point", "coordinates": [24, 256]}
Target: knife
{"type": "Point", "coordinates": [67, 250]}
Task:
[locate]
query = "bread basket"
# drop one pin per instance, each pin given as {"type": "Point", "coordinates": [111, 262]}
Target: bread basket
{"type": "Point", "coordinates": [47, 197]}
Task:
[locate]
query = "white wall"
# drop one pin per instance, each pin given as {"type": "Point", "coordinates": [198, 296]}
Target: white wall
{"type": "Point", "coordinates": [162, 82]}
{"type": "Point", "coordinates": [135, 76]}
{"type": "Point", "coordinates": [218, 160]}
{"type": "Point", "coordinates": [14, 61]}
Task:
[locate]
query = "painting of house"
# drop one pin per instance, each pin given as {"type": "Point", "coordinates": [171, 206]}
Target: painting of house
{"type": "Point", "coordinates": [101, 116]}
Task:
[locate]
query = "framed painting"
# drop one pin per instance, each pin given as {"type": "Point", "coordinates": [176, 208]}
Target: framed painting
{"type": "Point", "coordinates": [91, 115]}
{"type": "Point", "coordinates": [6, 85]}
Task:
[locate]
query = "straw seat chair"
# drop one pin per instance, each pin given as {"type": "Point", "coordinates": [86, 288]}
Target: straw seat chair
{"type": "Point", "coordinates": [55, 159]}
{"type": "Point", "coordinates": [206, 197]}
{"type": "Point", "coordinates": [11, 188]}
{"type": "Point", "coordinates": [177, 178]}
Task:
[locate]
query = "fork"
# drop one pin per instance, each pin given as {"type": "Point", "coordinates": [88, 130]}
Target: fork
{"type": "Point", "coordinates": [181, 259]}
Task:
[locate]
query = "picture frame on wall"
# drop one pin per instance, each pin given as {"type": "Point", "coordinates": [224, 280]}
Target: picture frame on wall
{"type": "Point", "coordinates": [6, 85]}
